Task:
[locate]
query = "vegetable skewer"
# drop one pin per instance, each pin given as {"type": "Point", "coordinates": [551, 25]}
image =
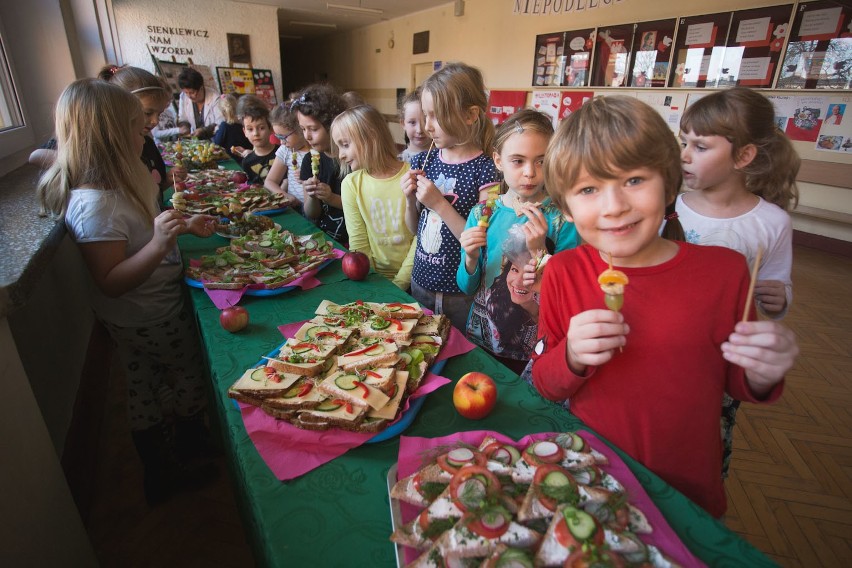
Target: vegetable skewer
{"type": "Point", "coordinates": [752, 283]}
{"type": "Point", "coordinates": [426, 159]}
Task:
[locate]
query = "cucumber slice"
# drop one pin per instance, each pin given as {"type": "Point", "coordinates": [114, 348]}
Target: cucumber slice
{"type": "Point", "coordinates": [580, 523]}
{"type": "Point", "coordinates": [406, 357]}
{"type": "Point", "coordinates": [379, 324]}
{"type": "Point", "coordinates": [300, 350]}
{"type": "Point", "coordinates": [293, 392]}
{"type": "Point", "coordinates": [328, 406]}
{"type": "Point", "coordinates": [312, 332]}
{"type": "Point", "coordinates": [310, 244]}
{"type": "Point", "coordinates": [393, 308]}
{"type": "Point", "coordinates": [376, 349]}
{"type": "Point", "coordinates": [258, 375]}
{"type": "Point", "coordinates": [347, 382]}
{"type": "Point", "coordinates": [265, 243]}
{"type": "Point", "coordinates": [556, 479]}
{"type": "Point", "coordinates": [370, 340]}
{"type": "Point", "coordinates": [514, 558]}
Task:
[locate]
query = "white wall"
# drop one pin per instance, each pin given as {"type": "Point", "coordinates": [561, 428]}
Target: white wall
{"type": "Point", "coordinates": [501, 44]}
{"type": "Point", "coordinates": [215, 17]}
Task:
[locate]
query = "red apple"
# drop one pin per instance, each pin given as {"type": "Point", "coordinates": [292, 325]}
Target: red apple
{"type": "Point", "coordinates": [239, 177]}
{"type": "Point", "coordinates": [356, 265]}
{"type": "Point", "coordinates": [474, 395]}
{"type": "Point", "coordinates": [234, 318]}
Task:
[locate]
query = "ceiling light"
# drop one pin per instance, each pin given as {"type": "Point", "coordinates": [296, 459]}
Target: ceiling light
{"type": "Point", "coordinates": [313, 24]}
{"type": "Point", "coordinates": [358, 9]}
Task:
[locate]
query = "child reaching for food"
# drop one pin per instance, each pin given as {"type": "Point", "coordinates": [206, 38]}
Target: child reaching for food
{"type": "Point", "coordinates": [443, 185]}
{"type": "Point", "coordinates": [315, 108]}
{"type": "Point", "coordinates": [283, 176]}
{"type": "Point", "coordinates": [742, 171]}
{"type": "Point", "coordinates": [254, 114]}
{"type": "Point", "coordinates": [229, 134]}
{"type": "Point", "coordinates": [650, 375]}
{"type": "Point", "coordinates": [411, 120]}
{"type": "Point", "coordinates": [110, 206]}
{"type": "Point", "coordinates": [521, 208]}
{"type": "Point", "coordinates": [373, 203]}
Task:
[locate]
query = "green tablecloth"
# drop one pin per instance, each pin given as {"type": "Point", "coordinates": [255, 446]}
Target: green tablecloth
{"type": "Point", "coordinates": [338, 514]}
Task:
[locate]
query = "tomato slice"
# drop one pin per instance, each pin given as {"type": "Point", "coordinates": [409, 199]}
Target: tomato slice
{"type": "Point", "coordinates": [491, 524]}
{"type": "Point", "coordinates": [589, 556]}
{"type": "Point", "coordinates": [567, 490]}
{"type": "Point", "coordinates": [306, 388]}
{"type": "Point", "coordinates": [577, 517]}
{"type": "Point", "coordinates": [447, 465]}
{"type": "Point", "coordinates": [471, 485]}
{"type": "Point", "coordinates": [397, 323]}
{"type": "Point", "coordinates": [364, 387]}
{"type": "Point", "coordinates": [373, 374]}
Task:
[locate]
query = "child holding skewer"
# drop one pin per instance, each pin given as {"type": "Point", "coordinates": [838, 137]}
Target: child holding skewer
{"type": "Point", "coordinates": [283, 177]}
{"type": "Point", "coordinates": [504, 316]}
{"type": "Point", "coordinates": [649, 377]}
{"type": "Point", "coordinates": [742, 170]}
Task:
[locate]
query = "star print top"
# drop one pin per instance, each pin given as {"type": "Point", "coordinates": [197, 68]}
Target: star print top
{"type": "Point", "coordinates": [438, 251]}
{"type": "Point", "coordinates": [257, 167]}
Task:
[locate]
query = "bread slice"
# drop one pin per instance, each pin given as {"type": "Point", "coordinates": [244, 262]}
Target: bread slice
{"type": "Point", "coordinates": [322, 333]}
{"type": "Point", "coordinates": [379, 354]}
{"type": "Point", "coordinates": [308, 349]}
{"type": "Point", "coordinates": [390, 410]}
{"type": "Point", "coordinates": [351, 387]}
{"type": "Point", "coordinates": [396, 329]}
{"type": "Point", "coordinates": [397, 310]}
{"type": "Point", "coordinates": [262, 382]}
{"type": "Point", "coordinates": [332, 413]}
{"type": "Point", "coordinates": [302, 395]}
{"type": "Point", "coordinates": [435, 324]}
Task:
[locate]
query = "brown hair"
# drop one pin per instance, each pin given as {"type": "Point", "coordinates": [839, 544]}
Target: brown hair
{"type": "Point", "coordinates": [321, 102]}
{"type": "Point", "coordinates": [283, 116]}
{"type": "Point", "coordinates": [368, 131]}
{"type": "Point", "coordinates": [455, 88]}
{"type": "Point", "coordinates": [744, 117]}
{"type": "Point", "coordinates": [412, 97]}
{"type": "Point", "coordinates": [252, 106]}
{"type": "Point", "coordinates": [137, 81]}
{"type": "Point", "coordinates": [526, 119]}
{"type": "Point", "coordinates": [611, 134]}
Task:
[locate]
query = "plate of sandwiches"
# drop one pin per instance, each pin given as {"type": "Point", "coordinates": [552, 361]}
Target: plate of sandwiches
{"type": "Point", "coordinates": [265, 262]}
{"type": "Point", "coordinates": [207, 201]}
{"type": "Point", "coordinates": [351, 367]}
{"type": "Point", "coordinates": [551, 503]}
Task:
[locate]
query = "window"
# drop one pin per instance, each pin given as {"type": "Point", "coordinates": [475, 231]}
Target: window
{"type": "Point", "coordinates": [10, 108]}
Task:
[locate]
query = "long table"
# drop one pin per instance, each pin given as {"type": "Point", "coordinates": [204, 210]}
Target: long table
{"type": "Point", "coordinates": [338, 514]}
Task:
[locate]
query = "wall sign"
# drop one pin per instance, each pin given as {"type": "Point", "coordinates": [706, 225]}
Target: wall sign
{"type": "Point", "coordinates": [164, 40]}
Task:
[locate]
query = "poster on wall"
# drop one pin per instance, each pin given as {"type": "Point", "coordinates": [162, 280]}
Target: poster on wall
{"type": "Point", "coordinates": [835, 134]}
{"type": "Point", "coordinates": [699, 48]}
{"type": "Point", "coordinates": [578, 55]}
{"type": "Point", "coordinates": [239, 50]}
{"type": "Point", "coordinates": [235, 81]}
{"type": "Point", "coordinates": [573, 100]}
{"type": "Point", "coordinates": [503, 104]}
{"type": "Point", "coordinates": [819, 53]}
{"type": "Point", "coordinates": [264, 87]}
{"type": "Point", "coordinates": [209, 81]}
{"type": "Point", "coordinates": [548, 103]}
{"type": "Point", "coordinates": [652, 49]}
{"type": "Point", "coordinates": [169, 71]}
{"type": "Point", "coordinates": [670, 106]}
{"type": "Point", "coordinates": [612, 55]}
{"type": "Point", "coordinates": [549, 60]}
{"type": "Point", "coordinates": [754, 47]}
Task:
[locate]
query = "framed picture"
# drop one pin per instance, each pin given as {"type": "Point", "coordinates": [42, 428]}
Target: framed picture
{"type": "Point", "coordinates": [264, 87]}
{"type": "Point", "coordinates": [239, 49]}
{"type": "Point", "coordinates": [236, 81]}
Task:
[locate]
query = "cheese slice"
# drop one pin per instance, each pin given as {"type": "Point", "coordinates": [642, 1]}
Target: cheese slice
{"type": "Point", "coordinates": [402, 328]}
{"type": "Point", "coordinates": [388, 411]}
{"type": "Point", "coordinates": [374, 399]}
{"type": "Point", "coordinates": [388, 348]}
{"type": "Point", "coordinates": [318, 351]}
{"type": "Point", "coordinates": [341, 413]}
{"type": "Point", "coordinates": [249, 382]}
{"type": "Point", "coordinates": [321, 333]}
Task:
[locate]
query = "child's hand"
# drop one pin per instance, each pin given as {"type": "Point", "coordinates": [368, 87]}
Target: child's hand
{"type": "Point", "coordinates": [409, 183]}
{"type": "Point", "coordinates": [472, 240]}
{"type": "Point", "coordinates": [239, 151]}
{"type": "Point", "coordinates": [167, 226]}
{"type": "Point", "coordinates": [428, 193]}
{"type": "Point", "coordinates": [592, 338]}
{"type": "Point", "coordinates": [201, 225]}
{"type": "Point", "coordinates": [535, 229]}
{"type": "Point", "coordinates": [772, 296]}
{"type": "Point", "coordinates": [765, 349]}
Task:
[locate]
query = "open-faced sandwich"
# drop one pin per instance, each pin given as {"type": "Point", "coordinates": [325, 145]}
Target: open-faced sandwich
{"type": "Point", "coordinates": [350, 367]}
{"type": "Point", "coordinates": [477, 512]}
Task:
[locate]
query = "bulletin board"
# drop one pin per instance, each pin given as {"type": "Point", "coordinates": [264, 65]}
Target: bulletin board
{"type": "Point", "coordinates": [264, 86]}
{"type": "Point", "coordinates": [652, 50]}
{"type": "Point", "coordinates": [549, 63]}
{"type": "Point", "coordinates": [817, 55]}
{"type": "Point", "coordinates": [754, 47]}
{"type": "Point", "coordinates": [612, 56]}
{"type": "Point", "coordinates": [237, 81]}
{"type": "Point", "coordinates": [699, 48]}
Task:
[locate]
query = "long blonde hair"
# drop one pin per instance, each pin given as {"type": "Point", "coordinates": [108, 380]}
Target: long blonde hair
{"type": "Point", "coordinates": [95, 148]}
{"type": "Point", "coordinates": [455, 88]}
{"type": "Point", "coordinates": [611, 134]}
{"type": "Point", "coordinates": [369, 132]}
{"type": "Point", "coordinates": [744, 117]}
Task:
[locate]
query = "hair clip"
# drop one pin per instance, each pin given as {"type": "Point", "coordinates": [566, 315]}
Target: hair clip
{"type": "Point", "coordinates": [671, 216]}
{"type": "Point", "coordinates": [114, 69]}
{"type": "Point", "coordinates": [518, 128]}
{"type": "Point", "coordinates": [301, 100]}
{"type": "Point", "coordinates": [143, 89]}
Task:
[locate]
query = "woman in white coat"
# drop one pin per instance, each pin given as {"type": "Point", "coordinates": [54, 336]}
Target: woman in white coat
{"type": "Point", "coordinates": [198, 111]}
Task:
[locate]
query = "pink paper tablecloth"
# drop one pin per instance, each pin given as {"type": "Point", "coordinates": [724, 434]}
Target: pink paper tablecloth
{"type": "Point", "coordinates": [412, 450]}
{"type": "Point", "coordinates": [290, 452]}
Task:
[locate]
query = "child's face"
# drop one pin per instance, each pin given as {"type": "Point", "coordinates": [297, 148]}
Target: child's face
{"type": "Point", "coordinates": [346, 150]}
{"type": "Point", "coordinates": [519, 293]}
{"type": "Point", "coordinates": [152, 107]}
{"type": "Point", "coordinates": [433, 129]}
{"type": "Point", "coordinates": [138, 131]}
{"type": "Point", "coordinates": [521, 159]}
{"type": "Point", "coordinates": [314, 132]}
{"type": "Point", "coordinates": [707, 161]}
{"type": "Point", "coordinates": [257, 131]}
{"type": "Point", "coordinates": [412, 123]}
{"type": "Point", "coordinates": [621, 216]}
{"type": "Point", "coordinates": [290, 138]}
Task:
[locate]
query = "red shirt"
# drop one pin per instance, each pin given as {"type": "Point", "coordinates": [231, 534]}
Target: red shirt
{"type": "Point", "coordinates": [660, 399]}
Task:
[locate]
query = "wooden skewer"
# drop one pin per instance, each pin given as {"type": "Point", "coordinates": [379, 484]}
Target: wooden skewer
{"type": "Point", "coordinates": [426, 159]}
{"type": "Point", "coordinates": [753, 281]}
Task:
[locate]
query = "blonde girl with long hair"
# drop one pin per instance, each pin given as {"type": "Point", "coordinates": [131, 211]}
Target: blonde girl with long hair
{"type": "Point", "coordinates": [109, 203]}
{"type": "Point", "coordinates": [373, 203]}
{"type": "Point", "coordinates": [443, 184]}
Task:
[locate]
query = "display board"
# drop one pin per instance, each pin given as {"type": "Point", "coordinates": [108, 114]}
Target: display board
{"type": "Point", "coordinates": [754, 47]}
{"type": "Point", "coordinates": [233, 80]}
{"type": "Point", "coordinates": [819, 52]}
{"type": "Point", "coordinates": [699, 48]}
{"type": "Point", "coordinates": [612, 50]}
{"type": "Point", "coordinates": [264, 87]}
{"type": "Point", "coordinates": [652, 50]}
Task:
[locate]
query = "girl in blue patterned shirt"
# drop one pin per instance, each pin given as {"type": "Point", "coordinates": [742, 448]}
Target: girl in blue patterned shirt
{"type": "Point", "coordinates": [443, 184]}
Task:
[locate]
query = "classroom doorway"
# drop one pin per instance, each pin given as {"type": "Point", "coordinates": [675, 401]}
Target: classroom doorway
{"type": "Point", "coordinates": [419, 73]}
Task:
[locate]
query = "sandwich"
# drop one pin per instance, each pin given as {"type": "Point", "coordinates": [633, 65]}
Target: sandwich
{"type": "Point", "coordinates": [259, 383]}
